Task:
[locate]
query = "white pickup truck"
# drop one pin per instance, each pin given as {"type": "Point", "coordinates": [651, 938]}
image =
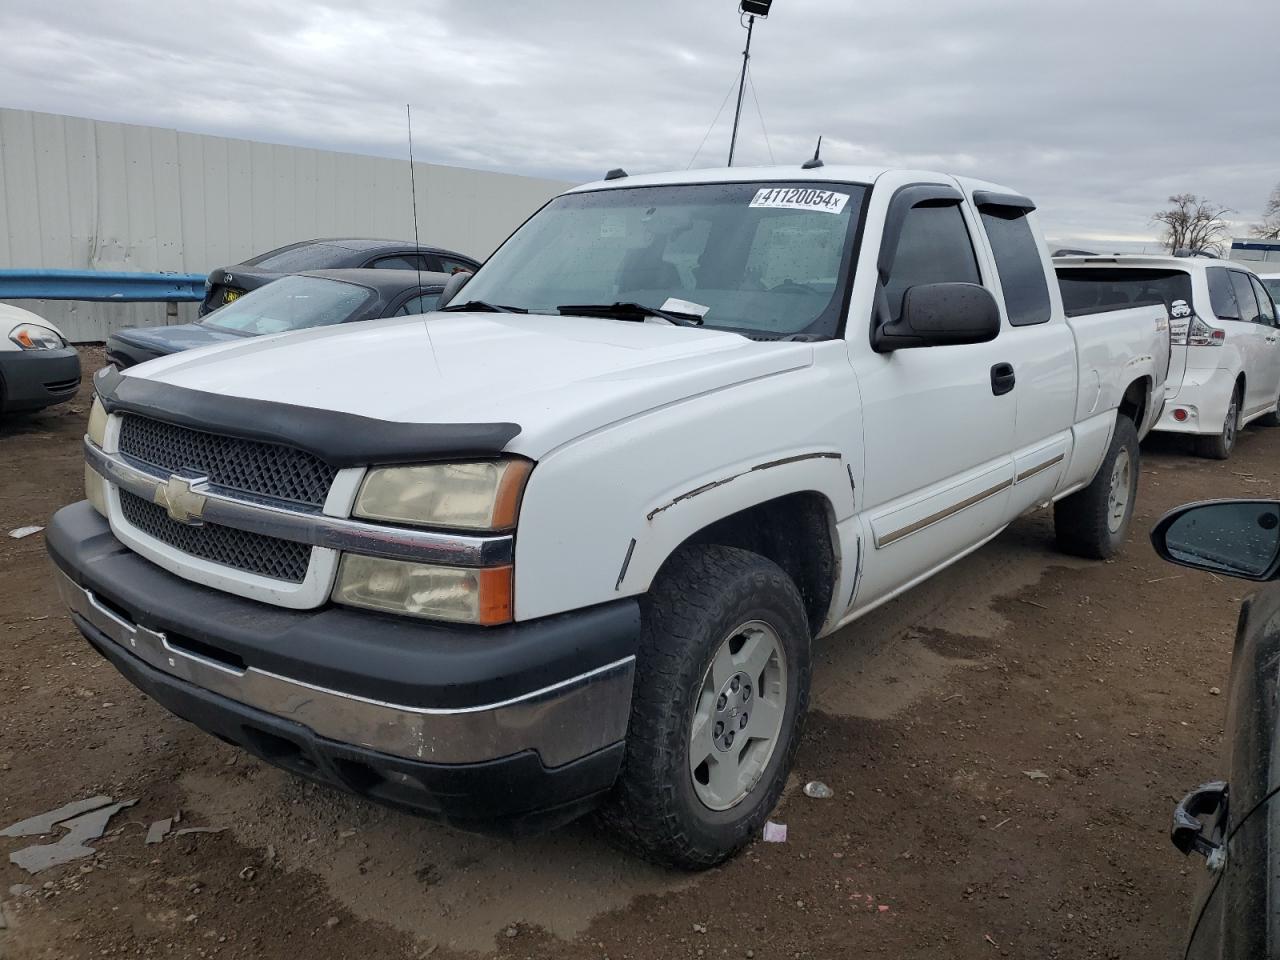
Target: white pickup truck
{"type": "Point", "coordinates": [567, 543]}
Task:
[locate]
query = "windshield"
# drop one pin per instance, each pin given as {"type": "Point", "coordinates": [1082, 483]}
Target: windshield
{"type": "Point", "coordinates": [762, 258]}
{"type": "Point", "coordinates": [292, 303]}
{"type": "Point", "coordinates": [1096, 290]}
{"type": "Point", "coordinates": [305, 256]}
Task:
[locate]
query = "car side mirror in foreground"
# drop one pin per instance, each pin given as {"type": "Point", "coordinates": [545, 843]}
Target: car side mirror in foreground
{"type": "Point", "coordinates": [1238, 538]}
{"type": "Point", "coordinates": [941, 314]}
{"type": "Point", "coordinates": [452, 286]}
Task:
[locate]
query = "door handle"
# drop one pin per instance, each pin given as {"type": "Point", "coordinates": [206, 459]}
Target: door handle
{"type": "Point", "coordinates": [1002, 379]}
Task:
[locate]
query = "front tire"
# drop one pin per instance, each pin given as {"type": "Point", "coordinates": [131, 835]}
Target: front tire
{"type": "Point", "coordinates": [721, 690]}
{"type": "Point", "coordinates": [1219, 446]}
{"type": "Point", "coordinates": [1095, 521]}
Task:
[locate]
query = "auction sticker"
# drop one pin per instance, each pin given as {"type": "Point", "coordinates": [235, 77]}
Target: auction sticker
{"type": "Point", "coordinates": [800, 198]}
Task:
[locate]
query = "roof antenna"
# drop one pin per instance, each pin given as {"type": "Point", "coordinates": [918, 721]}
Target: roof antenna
{"type": "Point", "coordinates": [816, 161]}
{"type": "Point", "coordinates": [413, 193]}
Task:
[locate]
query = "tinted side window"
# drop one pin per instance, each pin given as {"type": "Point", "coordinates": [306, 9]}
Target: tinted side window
{"type": "Point", "coordinates": [1221, 296]}
{"type": "Point", "coordinates": [1265, 305]}
{"type": "Point", "coordinates": [1026, 292]}
{"type": "Point", "coordinates": [1244, 296]}
{"type": "Point", "coordinates": [934, 248]}
{"type": "Point", "coordinates": [424, 303]}
{"type": "Point", "coordinates": [406, 261]}
{"type": "Point", "coordinates": [449, 265]}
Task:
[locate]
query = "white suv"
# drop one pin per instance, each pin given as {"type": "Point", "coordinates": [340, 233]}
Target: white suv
{"type": "Point", "coordinates": [1225, 367]}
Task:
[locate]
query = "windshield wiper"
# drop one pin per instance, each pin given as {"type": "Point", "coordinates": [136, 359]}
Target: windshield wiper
{"type": "Point", "coordinates": [480, 306]}
{"type": "Point", "coordinates": [628, 310]}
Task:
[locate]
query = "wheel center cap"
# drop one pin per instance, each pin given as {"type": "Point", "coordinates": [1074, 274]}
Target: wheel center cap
{"type": "Point", "coordinates": [732, 711]}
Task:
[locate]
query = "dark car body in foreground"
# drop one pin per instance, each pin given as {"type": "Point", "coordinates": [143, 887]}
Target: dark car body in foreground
{"type": "Point", "coordinates": [226, 284]}
{"type": "Point", "coordinates": [1235, 824]}
{"type": "Point", "coordinates": [317, 298]}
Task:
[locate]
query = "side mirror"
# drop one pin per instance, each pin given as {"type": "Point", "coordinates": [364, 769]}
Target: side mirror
{"type": "Point", "coordinates": [941, 314]}
{"type": "Point", "coordinates": [452, 286]}
{"type": "Point", "coordinates": [1239, 538]}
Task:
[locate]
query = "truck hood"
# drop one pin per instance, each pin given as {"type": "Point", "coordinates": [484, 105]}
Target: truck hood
{"type": "Point", "coordinates": [558, 378]}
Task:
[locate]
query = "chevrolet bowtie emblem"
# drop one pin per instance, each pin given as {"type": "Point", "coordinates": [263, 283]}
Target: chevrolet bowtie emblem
{"type": "Point", "coordinates": [183, 504]}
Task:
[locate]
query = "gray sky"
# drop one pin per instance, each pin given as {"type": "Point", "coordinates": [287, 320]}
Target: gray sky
{"type": "Point", "coordinates": [1098, 110]}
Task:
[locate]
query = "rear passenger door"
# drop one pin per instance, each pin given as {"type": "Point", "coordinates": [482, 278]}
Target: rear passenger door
{"type": "Point", "coordinates": [1039, 346]}
{"type": "Point", "coordinates": [937, 435]}
{"type": "Point", "coordinates": [1235, 309]}
{"type": "Point", "coordinates": [1258, 391]}
{"type": "Point", "coordinates": [1271, 351]}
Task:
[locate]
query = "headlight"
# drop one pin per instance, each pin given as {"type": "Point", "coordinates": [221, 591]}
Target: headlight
{"type": "Point", "coordinates": [460, 595]}
{"type": "Point", "coordinates": [483, 495]}
{"type": "Point", "coordinates": [95, 487]}
{"type": "Point", "coordinates": [32, 336]}
{"type": "Point", "coordinates": [98, 422]}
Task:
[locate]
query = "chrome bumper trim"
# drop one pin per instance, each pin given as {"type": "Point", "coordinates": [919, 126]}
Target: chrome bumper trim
{"type": "Point", "coordinates": [309, 527]}
{"type": "Point", "coordinates": [562, 722]}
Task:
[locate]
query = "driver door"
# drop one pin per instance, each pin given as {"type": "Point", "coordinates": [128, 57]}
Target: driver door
{"type": "Point", "coordinates": [938, 421]}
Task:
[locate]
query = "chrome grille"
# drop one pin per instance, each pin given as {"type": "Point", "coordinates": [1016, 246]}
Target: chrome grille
{"type": "Point", "coordinates": [262, 469]}
{"type": "Point", "coordinates": [251, 552]}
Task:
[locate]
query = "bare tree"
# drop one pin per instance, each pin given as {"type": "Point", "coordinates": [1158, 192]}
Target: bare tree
{"type": "Point", "coordinates": [1193, 223]}
{"type": "Point", "coordinates": [1269, 228]}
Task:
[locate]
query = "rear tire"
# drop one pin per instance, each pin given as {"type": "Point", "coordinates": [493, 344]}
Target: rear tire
{"type": "Point", "coordinates": [1095, 521]}
{"type": "Point", "coordinates": [724, 632]}
{"type": "Point", "coordinates": [1220, 446]}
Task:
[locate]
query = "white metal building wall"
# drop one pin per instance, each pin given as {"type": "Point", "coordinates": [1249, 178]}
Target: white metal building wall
{"type": "Point", "coordinates": [87, 194]}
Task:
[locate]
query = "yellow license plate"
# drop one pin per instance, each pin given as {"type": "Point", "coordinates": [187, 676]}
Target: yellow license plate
{"type": "Point", "coordinates": [229, 295]}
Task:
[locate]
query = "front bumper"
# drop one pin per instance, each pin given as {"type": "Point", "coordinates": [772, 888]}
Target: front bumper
{"type": "Point", "coordinates": [518, 725]}
{"type": "Point", "coordinates": [34, 379]}
{"type": "Point", "coordinates": [1205, 396]}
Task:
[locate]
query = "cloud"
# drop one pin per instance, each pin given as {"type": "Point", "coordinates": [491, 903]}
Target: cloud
{"type": "Point", "coordinates": [1097, 110]}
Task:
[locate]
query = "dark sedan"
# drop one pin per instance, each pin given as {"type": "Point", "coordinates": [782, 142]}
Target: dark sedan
{"type": "Point", "coordinates": [315, 299]}
{"type": "Point", "coordinates": [1234, 823]}
{"type": "Point", "coordinates": [228, 283]}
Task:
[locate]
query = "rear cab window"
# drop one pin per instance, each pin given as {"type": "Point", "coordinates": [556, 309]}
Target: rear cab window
{"type": "Point", "coordinates": [1018, 264]}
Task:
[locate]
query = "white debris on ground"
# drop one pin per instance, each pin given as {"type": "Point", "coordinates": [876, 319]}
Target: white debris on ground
{"type": "Point", "coordinates": [775, 832]}
{"type": "Point", "coordinates": [74, 846]}
{"type": "Point", "coordinates": [157, 831]}
{"type": "Point", "coordinates": [818, 790]}
{"type": "Point", "coordinates": [44, 823]}
{"type": "Point", "coordinates": [21, 532]}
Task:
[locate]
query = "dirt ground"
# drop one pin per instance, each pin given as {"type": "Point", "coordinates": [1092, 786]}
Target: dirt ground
{"type": "Point", "coordinates": [927, 716]}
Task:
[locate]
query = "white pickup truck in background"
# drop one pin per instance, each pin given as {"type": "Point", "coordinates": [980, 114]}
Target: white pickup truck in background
{"type": "Point", "coordinates": [566, 544]}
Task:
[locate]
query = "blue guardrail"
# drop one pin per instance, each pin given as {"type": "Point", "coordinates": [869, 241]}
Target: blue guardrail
{"type": "Point", "coordinates": [100, 285]}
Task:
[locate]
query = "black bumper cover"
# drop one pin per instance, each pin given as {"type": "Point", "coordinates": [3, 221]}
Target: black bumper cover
{"type": "Point", "coordinates": [34, 379]}
{"type": "Point", "coordinates": [384, 658]}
